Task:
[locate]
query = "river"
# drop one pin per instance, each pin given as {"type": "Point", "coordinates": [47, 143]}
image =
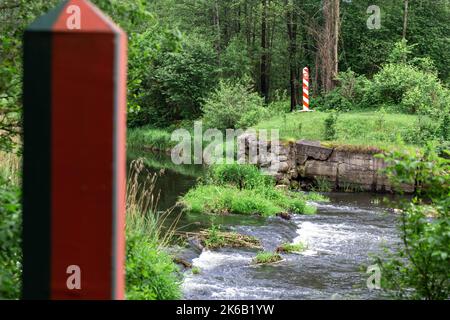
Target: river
{"type": "Point", "coordinates": [339, 239]}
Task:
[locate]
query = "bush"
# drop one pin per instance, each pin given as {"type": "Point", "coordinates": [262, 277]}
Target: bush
{"type": "Point", "coordinates": [151, 273]}
{"type": "Point", "coordinates": [10, 240]}
{"type": "Point", "coordinates": [176, 84]}
{"type": "Point", "coordinates": [419, 268]}
{"type": "Point", "coordinates": [233, 106]}
{"type": "Point", "coordinates": [330, 132]}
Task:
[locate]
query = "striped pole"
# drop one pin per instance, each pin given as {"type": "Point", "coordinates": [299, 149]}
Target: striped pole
{"type": "Point", "coordinates": [306, 89]}
{"type": "Point", "coordinates": [74, 167]}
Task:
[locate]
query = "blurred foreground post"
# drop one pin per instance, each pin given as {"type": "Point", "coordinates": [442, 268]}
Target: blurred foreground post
{"type": "Point", "coordinates": [74, 155]}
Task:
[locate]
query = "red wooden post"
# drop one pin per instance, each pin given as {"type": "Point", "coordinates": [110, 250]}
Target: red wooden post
{"type": "Point", "coordinates": [74, 155]}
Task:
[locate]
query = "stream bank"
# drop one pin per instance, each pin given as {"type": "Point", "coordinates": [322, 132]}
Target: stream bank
{"type": "Point", "coordinates": [339, 239]}
{"type": "Point", "coordinates": [310, 165]}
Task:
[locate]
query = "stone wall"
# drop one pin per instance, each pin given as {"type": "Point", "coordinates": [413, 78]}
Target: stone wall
{"type": "Point", "coordinates": [306, 164]}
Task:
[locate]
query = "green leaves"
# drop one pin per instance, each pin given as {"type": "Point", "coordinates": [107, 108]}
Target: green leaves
{"type": "Point", "coordinates": [422, 261]}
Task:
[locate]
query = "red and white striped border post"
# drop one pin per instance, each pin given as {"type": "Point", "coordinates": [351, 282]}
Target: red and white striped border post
{"type": "Point", "coordinates": [306, 89]}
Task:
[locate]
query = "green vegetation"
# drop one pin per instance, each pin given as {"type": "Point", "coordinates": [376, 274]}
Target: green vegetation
{"type": "Point", "coordinates": [214, 238]}
{"type": "Point", "coordinates": [151, 273]}
{"type": "Point", "coordinates": [419, 267]}
{"type": "Point", "coordinates": [265, 257]}
{"type": "Point", "coordinates": [196, 270]}
{"type": "Point", "coordinates": [291, 248]}
{"type": "Point", "coordinates": [356, 128]}
{"type": "Point", "coordinates": [10, 228]}
{"type": "Point", "coordinates": [233, 106]}
{"type": "Point", "coordinates": [149, 139]}
{"type": "Point", "coordinates": [242, 189]}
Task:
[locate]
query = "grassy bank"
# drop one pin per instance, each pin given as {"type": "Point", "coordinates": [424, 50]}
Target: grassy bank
{"type": "Point", "coordinates": [377, 129]}
{"type": "Point", "coordinates": [150, 272]}
{"type": "Point", "coordinates": [150, 139]}
{"type": "Point", "coordinates": [243, 189]}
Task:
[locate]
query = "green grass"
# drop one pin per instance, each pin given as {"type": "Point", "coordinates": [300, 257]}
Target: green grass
{"type": "Point", "coordinates": [150, 138]}
{"type": "Point", "coordinates": [265, 257]}
{"type": "Point", "coordinates": [380, 130]}
{"type": "Point", "coordinates": [291, 248]}
{"type": "Point", "coordinates": [228, 199]}
{"type": "Point", "coordinates": [243, 189]}
{"type": "Point", "coordinates": [214, 238]}
{"type": "Point", "coordinates": [196, 270]}
{"type": "Point", "coordinates": [151, 273]}
{"type": "Point", "coordinates": [158, 161]}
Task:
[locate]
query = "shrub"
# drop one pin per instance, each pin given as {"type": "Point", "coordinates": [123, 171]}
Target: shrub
{"type": "Point", "coordinates": [10, 240]}
{"type": "Point", "coordinates": [233, 106]}
{"type": "Point", "coordinates": [419, 267]}
{"type": "Point", "coordinates": [176, 84]}
{"type": "Point", "coordinates": [330, 132]}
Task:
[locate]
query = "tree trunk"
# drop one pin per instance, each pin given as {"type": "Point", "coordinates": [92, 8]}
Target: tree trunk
{"type": "Point", "coordinates": [264, 55]}
{"type": "Point", "coordinates": [292, 27]}
{"type": "Point", "coordinates": [405, 19]}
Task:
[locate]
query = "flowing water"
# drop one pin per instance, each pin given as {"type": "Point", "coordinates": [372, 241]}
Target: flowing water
{"type": "Point", "coordinates": [338, 239]}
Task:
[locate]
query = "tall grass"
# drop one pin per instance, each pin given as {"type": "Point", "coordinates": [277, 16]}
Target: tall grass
{"type": "Point", "coordinates": [151, 273]}
{"type": "Point", "coordinates": [10, 165]}
{"type": "Point", "coordinates": [10, 227]}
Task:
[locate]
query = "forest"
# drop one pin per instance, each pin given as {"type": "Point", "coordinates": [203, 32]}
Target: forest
{"type": "Point", "coordinates": [379, 81]}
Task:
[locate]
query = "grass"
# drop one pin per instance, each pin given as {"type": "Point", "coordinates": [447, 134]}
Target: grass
{"type": "Point", "coordinates": [243, 189]}
{"type": "Point", "coordinates": [214, 238]}
{"type": "Point", "coordinates": [151, 273]}
{"type": "Point", "coordinates": [291, 248]}
{"type": "Point", "coordinates": [158, 161]}
{"type": "Point", "coordinates": [150, 139]}
{"type": "Point", "coordinates": [231, 200]}
{"type": "Point", "coordinates": [196, 270]}
{"type": "Point", "coordinates": [265, 257]}
{"type": "Point", "coordinates": [380, 130]}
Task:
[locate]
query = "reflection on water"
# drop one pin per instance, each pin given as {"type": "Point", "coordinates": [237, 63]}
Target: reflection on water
{"type": "Point", "coordinates": [338, 238]}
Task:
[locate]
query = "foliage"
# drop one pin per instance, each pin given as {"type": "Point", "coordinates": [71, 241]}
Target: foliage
{"type": "Point", "coordinates": [233, 106]}
{"type": "Point", "coordinates": [149, 138]}
{"type": "Point", "coordinates": [330, 126]}
{"type": "Point", "coordinates": [10, 240]}
{"type": "Point", "coordinates": [150, 272]}
{"type": "Point", "coordinates": [230, 189]}
{"type": "Point", "coordinates": [419, 268]}
{"type": "Point", "coordinates": [265, 257]}
{"type": "Point", "coordinates": [214, 238]}
{"type": "Point", "coordinates": [242, 176]}
{"type": "Point", "coordinates": [404, 84]}
{"type": "Point", "coordinates": [10, 227]}
{"type": "Point", "coordinates": [359, 129]}
{"type": "Point", "coordinates": [177, 84]}
{"type": "Point", "coordinates": [291, 248]}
